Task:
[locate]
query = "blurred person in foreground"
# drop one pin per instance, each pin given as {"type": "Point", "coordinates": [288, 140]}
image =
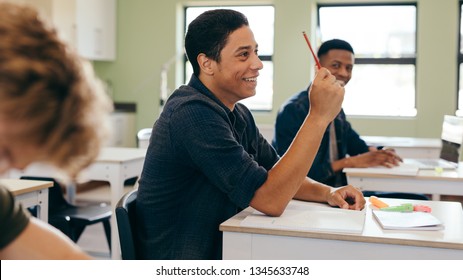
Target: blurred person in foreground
{"type": "Point", "coordinates": [53, 110]}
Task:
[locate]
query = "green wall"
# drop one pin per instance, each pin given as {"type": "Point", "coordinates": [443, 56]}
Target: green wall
{"type": "Point", "coordinates": [150, 32]}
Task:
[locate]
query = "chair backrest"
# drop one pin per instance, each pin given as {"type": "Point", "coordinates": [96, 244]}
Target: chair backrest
{"type": "Point", "coordinates": [143, 137]}
{"type": "Point", "coordinates": [452, 138]}
{"type": "Point", "coordinates": [125, 216]}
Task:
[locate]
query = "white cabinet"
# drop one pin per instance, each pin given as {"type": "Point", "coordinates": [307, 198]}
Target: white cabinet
{"type": "Point", "coordinates": [123, 132]}
{"type": "Point", "coordinates": [96, 29]}
{"type": "Point", "coordinates": [123, 125]}
{"type": "Point", "coordinates": [63, 16]}
{"type": "Point", "coordinates": [87, 25]}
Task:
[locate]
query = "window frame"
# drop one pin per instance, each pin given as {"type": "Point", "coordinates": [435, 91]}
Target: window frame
{"type": "Point", "coordinates": [382, 61]}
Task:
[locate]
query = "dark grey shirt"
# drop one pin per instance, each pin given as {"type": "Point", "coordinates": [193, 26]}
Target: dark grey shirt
{"type": "Point", "coordinates": [203, 165]}
{"type": "Point", "coordinates": [13, 220]}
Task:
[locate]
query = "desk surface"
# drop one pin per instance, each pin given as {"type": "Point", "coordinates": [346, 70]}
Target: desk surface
{"type": "Point", "coordinates": [450, 213]}
{"type": "Point", "coordinates": [119, 154]}
{"type": "Point", "coordinates": [18, 187]}
{"type": "Point", "coordinates": [406, 142]}
{"type": "Point", "coordinates": [423, 174]}
{"type": "Point", "coordinates": [447, 182]}
{"type": "Point", "coordinates": [408, 147]}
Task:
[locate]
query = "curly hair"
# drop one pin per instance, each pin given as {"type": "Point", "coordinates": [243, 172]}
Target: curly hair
{"type": "Point", "coordinates": [46, 86]}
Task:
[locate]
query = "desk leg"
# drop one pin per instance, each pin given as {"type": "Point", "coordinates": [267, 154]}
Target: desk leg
{"type": "Point", "coordinates": [116, 180]}
{"type": "Point", "coordinates": [115, 174]}
{"type": "Point", "coordinates": [71, 193]}
{"type": "Point", "coordinates": [37, 198]}
{"type": "Point", "coordinates": [43, 205]}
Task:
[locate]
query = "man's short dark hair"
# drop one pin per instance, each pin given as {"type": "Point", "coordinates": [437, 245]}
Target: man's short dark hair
{"type": "Point", "coordinates": [208, 34]}
{"type": "Point", "coordinates": [334, 44]}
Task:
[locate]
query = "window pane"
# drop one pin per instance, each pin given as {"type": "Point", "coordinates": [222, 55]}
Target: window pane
{"type": "Point", "coordinates": [367, 93]}
{"type": "Point", "coordinates": [261, 21]}
{"type": "Point", "coordinates": [384, 32]}
{"type": "Point", "coordinates": [375, 35]}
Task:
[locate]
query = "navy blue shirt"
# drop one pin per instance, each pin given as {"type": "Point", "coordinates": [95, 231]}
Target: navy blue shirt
{"type": "Point", "coordinates": [289, 120]}
{"type": "Point", "coordinates": [203, 165]}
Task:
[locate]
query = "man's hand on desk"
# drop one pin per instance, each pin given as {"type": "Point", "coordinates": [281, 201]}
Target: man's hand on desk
{"type": "Point", "coordinates": [383, 157]}
{"type": "Point", "coordinates": [347, 197]}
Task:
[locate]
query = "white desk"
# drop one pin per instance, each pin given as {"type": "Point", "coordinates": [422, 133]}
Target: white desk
{"type": "Point", "coordinates": [408, 147]}
{"type": "Point", "coordinates": [240, 242]}
{"type": "Point", "coordinates": [114, 165]}
{"type": "Point", "coordinates": [30, 193]}
{"type": "Point", "coordinates": [448, 182]}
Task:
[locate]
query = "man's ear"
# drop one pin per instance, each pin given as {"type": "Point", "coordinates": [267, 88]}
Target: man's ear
{"type": "Point", "coordinates": [205, 64]}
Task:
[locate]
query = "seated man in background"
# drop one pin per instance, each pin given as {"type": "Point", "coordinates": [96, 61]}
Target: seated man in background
{"type": "Point", "coordinates": [52, 110]}
{"type": "Point", "coordinates": [341, 145]}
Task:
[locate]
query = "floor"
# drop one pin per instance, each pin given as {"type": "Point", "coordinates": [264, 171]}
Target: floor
{"type": "Point", "coordinates": [93, 241]}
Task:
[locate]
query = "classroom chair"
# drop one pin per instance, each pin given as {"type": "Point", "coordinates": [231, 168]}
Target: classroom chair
{"type": "Point", "coordinates": [72, 219]}
{"type": "Point", "coordinates": [126, 217]}
{"type": "Point", "coordinates": [143, 137]}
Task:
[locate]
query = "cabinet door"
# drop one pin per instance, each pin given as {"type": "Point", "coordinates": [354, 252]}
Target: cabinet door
{"type": "Point", "coordinates": [96, 29]}
{"type": "Point", "coordinates": [123, 132]}
{"type": "Point", "coordinates": [63, 17]}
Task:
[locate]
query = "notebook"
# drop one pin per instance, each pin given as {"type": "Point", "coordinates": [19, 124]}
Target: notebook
{"type": "Point", "coordinates": [452, 140]}
{"type": "Point", "coordinates": [310, 216]}
{"type": "Point", "coordinates": [407, 220]}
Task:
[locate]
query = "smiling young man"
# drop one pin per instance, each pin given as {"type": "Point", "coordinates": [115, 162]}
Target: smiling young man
{"type": "Point", "coordinates": [207, 160]}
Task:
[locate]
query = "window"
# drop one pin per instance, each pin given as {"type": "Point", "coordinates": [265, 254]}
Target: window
{"type": "Point", "coordinates": [460, 63]}
{"type": "Point", "coordinates": [261, 21]}
{"type": "Point", "coordinates": [384, 42]}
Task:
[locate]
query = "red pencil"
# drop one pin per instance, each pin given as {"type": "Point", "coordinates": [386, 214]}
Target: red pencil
{"type": "Point", "coordinates": [311, 50]}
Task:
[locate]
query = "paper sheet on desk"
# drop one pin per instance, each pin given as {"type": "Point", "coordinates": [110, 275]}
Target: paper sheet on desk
{"type": "Point", "coordinates": [407, 220]}
{"type": "Point", "coordinates": [402, 169]}
{"type": "Point", "coordinates": [307, 216]}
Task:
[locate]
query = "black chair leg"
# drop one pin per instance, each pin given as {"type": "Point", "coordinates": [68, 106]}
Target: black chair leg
{"type": "Point", "coordinates": [107, 230]}
{"type": "Point", "coordinates": [63, 227]}
{"type": "Point", "coordinates": [77, 232]}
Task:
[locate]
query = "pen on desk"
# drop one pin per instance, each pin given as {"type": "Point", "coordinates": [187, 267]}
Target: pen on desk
{"type": "Point", "coordinates": [377, 203]}
{"type": "Point", "coordinates": [311, 50]}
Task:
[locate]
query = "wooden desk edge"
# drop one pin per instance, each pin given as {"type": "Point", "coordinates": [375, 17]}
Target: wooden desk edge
{"type": "Point", "coordinates": [40, 185]}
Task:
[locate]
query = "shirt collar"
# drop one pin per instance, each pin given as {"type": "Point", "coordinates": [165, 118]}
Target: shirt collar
{"type": "Point", "coordinates": [196, 83]}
